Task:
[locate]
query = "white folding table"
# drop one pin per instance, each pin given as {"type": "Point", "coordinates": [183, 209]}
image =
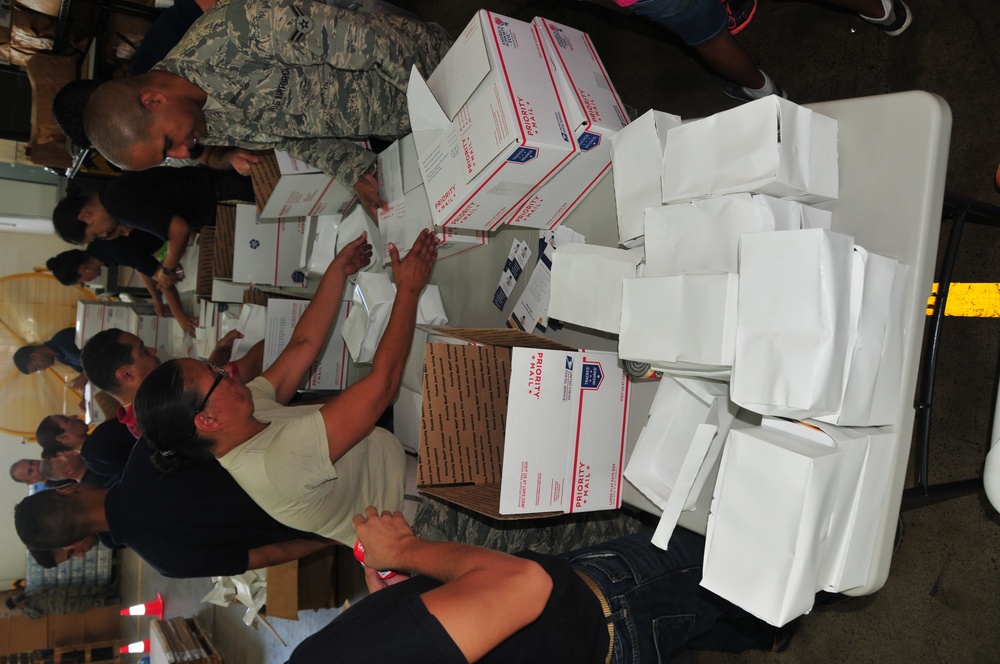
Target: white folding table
{"type": "Point", "coordinates": [893, 152]}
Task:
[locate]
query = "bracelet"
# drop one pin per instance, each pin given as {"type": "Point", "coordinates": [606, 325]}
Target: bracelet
{"type": "Point", "coordinates": [168, 270]}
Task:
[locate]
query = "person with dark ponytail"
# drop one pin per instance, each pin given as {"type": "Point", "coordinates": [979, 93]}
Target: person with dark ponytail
{"type": "Point", "coordinates": [310, 467]}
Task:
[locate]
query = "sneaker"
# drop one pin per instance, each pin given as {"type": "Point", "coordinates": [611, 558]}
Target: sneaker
{"type": "Point", "coordinates": [737, 91]}
{"type": "Point", "coordinates": [896, 21]}
{"type": "Point", "coordinates": [740, 13]}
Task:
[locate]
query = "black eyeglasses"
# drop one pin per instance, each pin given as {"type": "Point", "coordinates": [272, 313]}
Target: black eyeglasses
{"type": "Point", "coordinates": [220, 373]}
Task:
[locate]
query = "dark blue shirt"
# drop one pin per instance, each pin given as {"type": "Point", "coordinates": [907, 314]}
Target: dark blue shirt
{"type": "Point", "coordinates": [107, 449]}
{"type": "Point", "coordinates": [63, 345]}
{"type": "Point", "coordinates": [198, 522]}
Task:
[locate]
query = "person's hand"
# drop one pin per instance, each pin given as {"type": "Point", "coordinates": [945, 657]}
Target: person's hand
{"type": "Point", "coordinates": [187, 323]}
{"type": "Point", "coordinates": [229, 338]}
{"type": "Point", "coordinates": [384, 536]}
{"type": "Point", "coordinates": [78, 383]}
{"type": "Point", "coordinates": [413, 271]}
{"type": "Point", "coordinates": [241, 160]}
{"type": "Point", "coordinates": [355, 256]}
{"type": "Point", "coordinates": [376, 583]}
{"type": "Point", "coordinates": [366, 189]}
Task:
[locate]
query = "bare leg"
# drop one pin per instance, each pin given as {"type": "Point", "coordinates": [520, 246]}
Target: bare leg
{"type": "Point", "coordinates": [729, 59]}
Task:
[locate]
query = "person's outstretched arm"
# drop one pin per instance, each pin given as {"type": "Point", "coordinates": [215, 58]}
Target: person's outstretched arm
{"type": "Point", "coordinates": [487, 596]}
{"type": "Point", "coordinates": [173, 298]}
{"type": "Point", "coordinates": [313, 328]}
{"type": "Point", "coordinates": [351, 415]}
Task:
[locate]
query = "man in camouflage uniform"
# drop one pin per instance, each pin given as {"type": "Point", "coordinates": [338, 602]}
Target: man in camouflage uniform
{"type": "Point", "coordinates": [293, 74]}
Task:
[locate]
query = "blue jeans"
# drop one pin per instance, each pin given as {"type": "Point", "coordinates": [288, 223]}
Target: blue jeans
{"type": "Point", "coordinates": [696, 22]}
{"type": "Point", "coordinates": [657, 606]}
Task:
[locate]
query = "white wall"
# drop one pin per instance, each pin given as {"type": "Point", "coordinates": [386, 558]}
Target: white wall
{"type": "Point", "coordinates": [20, 252]}
{"type": "Point", "coordinates": [12, 556]}
{"type": "Point", "coordinates": [27, 198]}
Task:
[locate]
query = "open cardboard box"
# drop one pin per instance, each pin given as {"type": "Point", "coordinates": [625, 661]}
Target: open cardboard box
{"type": "Point", "coordinates": [466, 387]}
{"type": "Point", "coordinates": [320, 580]}
{"type": "Point", "coordinates": [288, 187]}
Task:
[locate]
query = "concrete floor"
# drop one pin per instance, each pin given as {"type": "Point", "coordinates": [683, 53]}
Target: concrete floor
{"type": "Point", "coordinates": [943, 591]}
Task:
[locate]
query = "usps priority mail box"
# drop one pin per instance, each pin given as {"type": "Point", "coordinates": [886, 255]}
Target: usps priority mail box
{"type": "Point", "coordinates": [566, 426]}
{"type": "Point", "coordinates": [288, 187]}
{"type": "Point", "coordinates": [329, 371]}
{"type": "Point", "coordinates": [464, 415]}
{"type": "Point", "coordinates": [488, 124]}
{"type": "Point", "coordinates": [594, 113]}
{"type": "Point", "coordinates": [407, 211]}
{"type": "Point", "coordinates": [268, 252]}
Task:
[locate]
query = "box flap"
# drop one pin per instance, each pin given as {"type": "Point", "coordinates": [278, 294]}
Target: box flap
{"type": "Point", "coordinates": [264, 176]}
{"type": "Point", "coordinates": [427, 120]}
{"type": "Point", "coordinates": [462, 69]}
{"type": "Point", "coordinates": [464, 414]}
{"type": "Point", "coordinates": [502, 337]}
{"type": "Point", "coordinates": [480, 498]}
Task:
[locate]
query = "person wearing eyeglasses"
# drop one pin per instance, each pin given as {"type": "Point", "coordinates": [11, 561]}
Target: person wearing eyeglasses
{"type": "Point", "coordinates": [310, 468]}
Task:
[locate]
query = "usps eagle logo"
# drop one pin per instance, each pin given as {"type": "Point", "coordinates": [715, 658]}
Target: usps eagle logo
{"type": "Point", "coordinates": [303, 25]}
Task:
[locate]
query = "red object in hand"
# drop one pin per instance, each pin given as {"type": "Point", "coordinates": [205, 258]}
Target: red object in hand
{"type": "Point", "coordinates": [359, 553]}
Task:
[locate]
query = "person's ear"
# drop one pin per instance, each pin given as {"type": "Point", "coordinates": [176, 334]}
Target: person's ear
{"type": "Point", "coordinates": [207, 423]}
{"type": "Point", "coordinates": [150, 99]}
{"type": "Point", "coordinates": [124, 374]}
{"type": "Point", "coordinates": [71, 548]}
{"type": "Point", "coordinates": [63, 437]}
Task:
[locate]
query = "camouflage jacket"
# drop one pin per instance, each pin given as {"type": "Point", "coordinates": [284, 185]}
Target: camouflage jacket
{"type": "Point", "coordinates": [305, 77]}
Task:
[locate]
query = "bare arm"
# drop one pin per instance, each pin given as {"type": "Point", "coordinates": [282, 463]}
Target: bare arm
{"type": "Point", "coordinates": [282, 552]}
{"type": "Point", "coordinates": [251, 364]}
{"type": "Point", "coordinates": [224, 349]}
{"type": "Point", "coordinates": [177, 240]}
{"type": "Point", "coordinates": [487, 595]}
{"type": "Point", "coordinates": [154, 293]}
{"type": "Point", "coordinates": [173, 298]}
{"type": "Point", "coordinates": [313, 328]}
{"type": "Point", "coordinates": [351, 415]}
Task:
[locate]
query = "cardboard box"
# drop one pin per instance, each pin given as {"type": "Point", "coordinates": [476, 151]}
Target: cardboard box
{"type": "Point", "coordinates": [93, 316]}
{"type": "Point", "coordinates": [225, 241]}
{"type": "Point", "coordinates": [408, 213]}
{"type": "Point", "coordinates": [288, 187]}
{"type": "Point", "coordinates": [321, 580]}
{"type": "Point", "coordinates": [594, 113]}
{"type": "Point", "coordinates": [576, 402]}
{"type": "Point", "coordinates": [329, 371]}
{"type": "Point", "coordinates": [466, 389]}
{"type": "Point", "coordinates": [488, 124]}
{"type": "Point", "coordinates": [267, 252]}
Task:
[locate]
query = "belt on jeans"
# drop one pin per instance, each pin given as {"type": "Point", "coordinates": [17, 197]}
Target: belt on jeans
{"type": "Point", "coordinates": [605, 607]}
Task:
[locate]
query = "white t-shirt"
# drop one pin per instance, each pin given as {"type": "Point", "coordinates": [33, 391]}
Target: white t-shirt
{"type": "Point", "coordinates": [286, 469]}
